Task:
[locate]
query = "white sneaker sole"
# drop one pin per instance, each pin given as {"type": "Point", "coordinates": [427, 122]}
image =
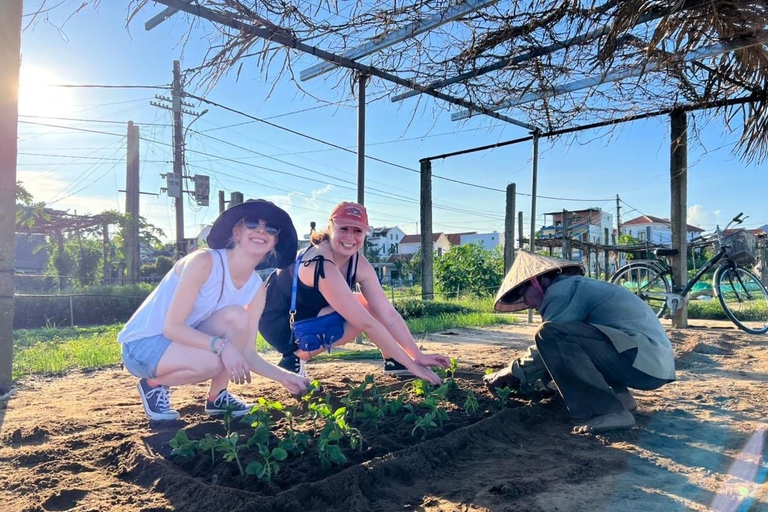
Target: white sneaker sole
{"type": "Point", "coordinates": [155, 416]}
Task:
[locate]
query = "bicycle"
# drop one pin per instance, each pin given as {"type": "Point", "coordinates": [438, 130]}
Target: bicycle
{"type": "Point", "coordinates": [743, 297]}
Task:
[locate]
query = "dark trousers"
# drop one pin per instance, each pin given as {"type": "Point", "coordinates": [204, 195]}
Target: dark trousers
{"type": "Point", "coordinates": [587, 368]}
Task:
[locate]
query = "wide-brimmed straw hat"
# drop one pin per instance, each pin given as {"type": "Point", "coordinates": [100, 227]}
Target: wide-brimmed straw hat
{"type": "Point", "coordinates": [220, 236]}
{"type": "Point", "coordinates": [528, 265]}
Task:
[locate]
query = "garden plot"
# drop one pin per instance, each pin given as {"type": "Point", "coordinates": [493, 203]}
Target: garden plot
{"type": "Point", "coordinates": [81, 442]}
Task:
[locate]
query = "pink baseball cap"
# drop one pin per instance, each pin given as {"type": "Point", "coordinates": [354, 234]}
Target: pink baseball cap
{"type": "Point", "coordinates": [348, 213]}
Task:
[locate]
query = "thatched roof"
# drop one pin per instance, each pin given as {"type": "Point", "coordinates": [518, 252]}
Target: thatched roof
{"type": "Point", "coordinates": [611, 35]}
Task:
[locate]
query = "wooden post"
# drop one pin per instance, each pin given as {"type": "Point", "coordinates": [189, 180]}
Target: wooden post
{"type": "Point", "coordinates": [10, 58]}
{"type": "Point", "coordinates": [427, 282]}
{"type": "Point", "coordinates": [132, 251]}
{"type": "Point", "coordinates": [678, 169]}
{"type": "Point", "coordinates": [105, 266]}
{"type": "Point", "coordinates": [509, 228]}
{"type": "Point", "coordinates": [564, 229]}
{"type": "Point", "coordinates": [607, 257]}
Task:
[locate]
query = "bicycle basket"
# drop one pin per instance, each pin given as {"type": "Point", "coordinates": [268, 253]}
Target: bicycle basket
{"type": "Point", "coordinates": [742, 248]}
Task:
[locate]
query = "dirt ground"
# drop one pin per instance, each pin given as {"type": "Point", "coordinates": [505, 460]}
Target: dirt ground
{"type": "Point", "coordinates": [81, 442]}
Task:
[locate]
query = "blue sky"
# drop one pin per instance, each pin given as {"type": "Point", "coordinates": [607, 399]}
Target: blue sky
{"type": "Point", "coordinates": [81, 171]}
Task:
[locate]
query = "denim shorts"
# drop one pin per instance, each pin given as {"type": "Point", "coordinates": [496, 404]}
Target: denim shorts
{"type": "Point", "coordinates": [141, 357]}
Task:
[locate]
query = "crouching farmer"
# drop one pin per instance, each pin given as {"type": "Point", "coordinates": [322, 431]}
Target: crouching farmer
{"type": "Point", "coordinates": [597, 340]}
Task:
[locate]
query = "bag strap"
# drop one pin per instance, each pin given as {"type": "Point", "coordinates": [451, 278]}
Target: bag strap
{"type": "Point", "coordinates": [352, 274]}
{"type": "Point", "coordinates": [292, 312]}
{"type": "Point", "coordinates": [221, 291]}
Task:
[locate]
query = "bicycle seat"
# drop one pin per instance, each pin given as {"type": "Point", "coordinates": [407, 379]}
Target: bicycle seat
{"type": "Point", "coordinates": [665, 252]}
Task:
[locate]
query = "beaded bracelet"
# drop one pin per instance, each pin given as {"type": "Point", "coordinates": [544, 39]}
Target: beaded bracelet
{"type": "Point", "coordinates": [212, 344]}
{"type": "Point", "coordinates": [224, 342]}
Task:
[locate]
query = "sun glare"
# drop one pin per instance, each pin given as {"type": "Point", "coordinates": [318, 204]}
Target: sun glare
{"type": "Point", "coordinates": [38, 98]}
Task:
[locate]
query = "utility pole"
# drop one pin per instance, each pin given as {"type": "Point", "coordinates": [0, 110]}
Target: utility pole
{"type": "Point", "coordinates": [509, 227]}
{"type": "Point", "coordinates": [222, 202]}
{"type": "Point", "coordinates": [175, 180]}
{"type": "Point", "coordinates": [618, 217]}
{"type": "Point", "coordinates": [10, 58]}
{"type": "Point", "coordinates": [361, 79]}
{"type": "Point", "coordinates": [178, 158]}
{"type": "Point", "coordinates": [132, 203]}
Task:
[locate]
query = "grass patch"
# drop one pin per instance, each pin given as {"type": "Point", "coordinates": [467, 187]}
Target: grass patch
{"type": "Point", "coordinates": [52, 350]}
{"type": "Point", "coordinates": [453, 320]}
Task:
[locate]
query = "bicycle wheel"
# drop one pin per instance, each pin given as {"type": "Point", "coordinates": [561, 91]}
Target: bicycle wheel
{"type": "Point", "coordinates": [743, 297]}
{"type": "Point", "coordinates": [647, 282]}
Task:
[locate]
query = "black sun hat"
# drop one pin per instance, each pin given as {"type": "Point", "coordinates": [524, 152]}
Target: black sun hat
{"type": "Point", "coordinates": [287, 245]}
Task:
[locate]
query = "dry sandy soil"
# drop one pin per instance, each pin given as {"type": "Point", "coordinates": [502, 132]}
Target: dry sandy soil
{"type": "Point", "coordinates": [81, 442]}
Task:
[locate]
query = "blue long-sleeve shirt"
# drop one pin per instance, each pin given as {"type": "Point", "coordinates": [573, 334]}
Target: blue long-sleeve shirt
{"type": "Point", "coordinates": [618, 313]}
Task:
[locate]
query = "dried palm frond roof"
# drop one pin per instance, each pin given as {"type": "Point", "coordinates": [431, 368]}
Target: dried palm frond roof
{"type": "Point", "coordinates": [645, 37]}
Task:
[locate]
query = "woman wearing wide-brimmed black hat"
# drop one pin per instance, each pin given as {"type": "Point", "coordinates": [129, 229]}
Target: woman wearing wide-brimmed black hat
{"type": "Point", "coordinates": [201, 321]}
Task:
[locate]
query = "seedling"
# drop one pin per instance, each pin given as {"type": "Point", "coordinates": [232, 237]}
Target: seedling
{"type": "Point", "coordinates": [265, 470]}
{"type": "Point", "coordinates": [182, 445]}
{"type": "Point", "coordinates": [295, 443]}
{"type": "Point", "coordinates": [230, 448]}
{"type": "Point", "coordinates": [504, 394]}
{"type": "Point", "coordinates": [424, 423]}
{"type": "Point", "coordinates": [471, 404]}
{"type": "Point", "coordinates": [451, 370]}
{"type": "Point", "coordinates": [417, 387]}
{"type": "Point", "coordinates": [372, 413]}
{"type": "Point", "coordinates": [433, 404]}
{"type": "Point", "coordinates": [208, 444]}
{"type": "Point", "coordinates": [314, 388]}
{"type": "Point", "coordinates": [489, 371]}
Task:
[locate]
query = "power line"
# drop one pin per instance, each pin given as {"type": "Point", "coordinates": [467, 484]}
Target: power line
{"type": "Point", "coordinates": [393, 164]}
{"type": "Point", "coordinates": [91, 120]}
{"type": "Point", "coordinates": [73, 128]}
{"type": "Point", "coordinates": [108, 86]}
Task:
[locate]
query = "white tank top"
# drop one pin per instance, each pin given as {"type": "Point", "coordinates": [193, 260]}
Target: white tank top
{"type": "Point", "coordinates": [149, 319]}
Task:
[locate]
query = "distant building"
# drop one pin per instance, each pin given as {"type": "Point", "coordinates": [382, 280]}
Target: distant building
{"type": "Point", "coordinates": [488, 241]}
{"type": "Point", "coordinates": [386, 240]}
{"type": "Point", "coordinates": [655, 230]}
{"type": "Point", "coordinates": [31, 255]}
{"type": "Point", "coordinates": [410, 244]}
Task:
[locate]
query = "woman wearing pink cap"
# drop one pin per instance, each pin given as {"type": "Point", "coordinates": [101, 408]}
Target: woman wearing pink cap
{"type": "Point", "coordinates": [325, 277]}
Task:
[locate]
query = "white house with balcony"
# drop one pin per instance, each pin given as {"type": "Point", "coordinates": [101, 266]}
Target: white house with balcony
{"type": "Point", "coordinates": [386, 240]}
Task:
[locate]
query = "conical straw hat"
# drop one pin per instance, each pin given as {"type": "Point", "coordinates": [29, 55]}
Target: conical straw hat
{"type": "Point", "coordinates": [528, 265]}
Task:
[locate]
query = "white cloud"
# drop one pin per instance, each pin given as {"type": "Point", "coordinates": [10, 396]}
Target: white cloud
{"type": "Point", "coordinates": [697, 215]}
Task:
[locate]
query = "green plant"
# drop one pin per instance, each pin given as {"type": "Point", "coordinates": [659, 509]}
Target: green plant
{"type": "Point", "coordinates": [269, 466]}
{"type": "Point", "coordinates": [295, 442]}
{"type": "Point", "coordinates": [425, 424]}
{"type": "Point", "coordinates": [372, 413]}
{"type": "Point", "coordinates": [230, 447]}
{"type": "Point", "coordinates": [503, 396]}
{"type": "Point", "coordinates": [470, 403]}
{"type": "Point", "coordinates": [208, 444]}
{"type": "Point", "coordinates": [182, 445]}
{"type": "Point", "coordinates": [451, 370]}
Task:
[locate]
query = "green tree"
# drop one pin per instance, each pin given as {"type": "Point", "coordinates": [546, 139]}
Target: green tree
{"type": "Point", "coordinates": [469, 269]}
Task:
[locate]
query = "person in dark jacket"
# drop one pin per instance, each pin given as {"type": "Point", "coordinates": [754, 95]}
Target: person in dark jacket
{"type": "Point", "coordinates": [598, 339]}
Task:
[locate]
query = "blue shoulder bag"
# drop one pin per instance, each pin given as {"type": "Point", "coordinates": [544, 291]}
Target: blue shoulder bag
{"type": "Point", "coordinates": [313, 333]}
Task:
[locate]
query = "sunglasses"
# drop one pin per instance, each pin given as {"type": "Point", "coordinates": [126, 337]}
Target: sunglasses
{"type": "Point", "coordinates": [255, 224]}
